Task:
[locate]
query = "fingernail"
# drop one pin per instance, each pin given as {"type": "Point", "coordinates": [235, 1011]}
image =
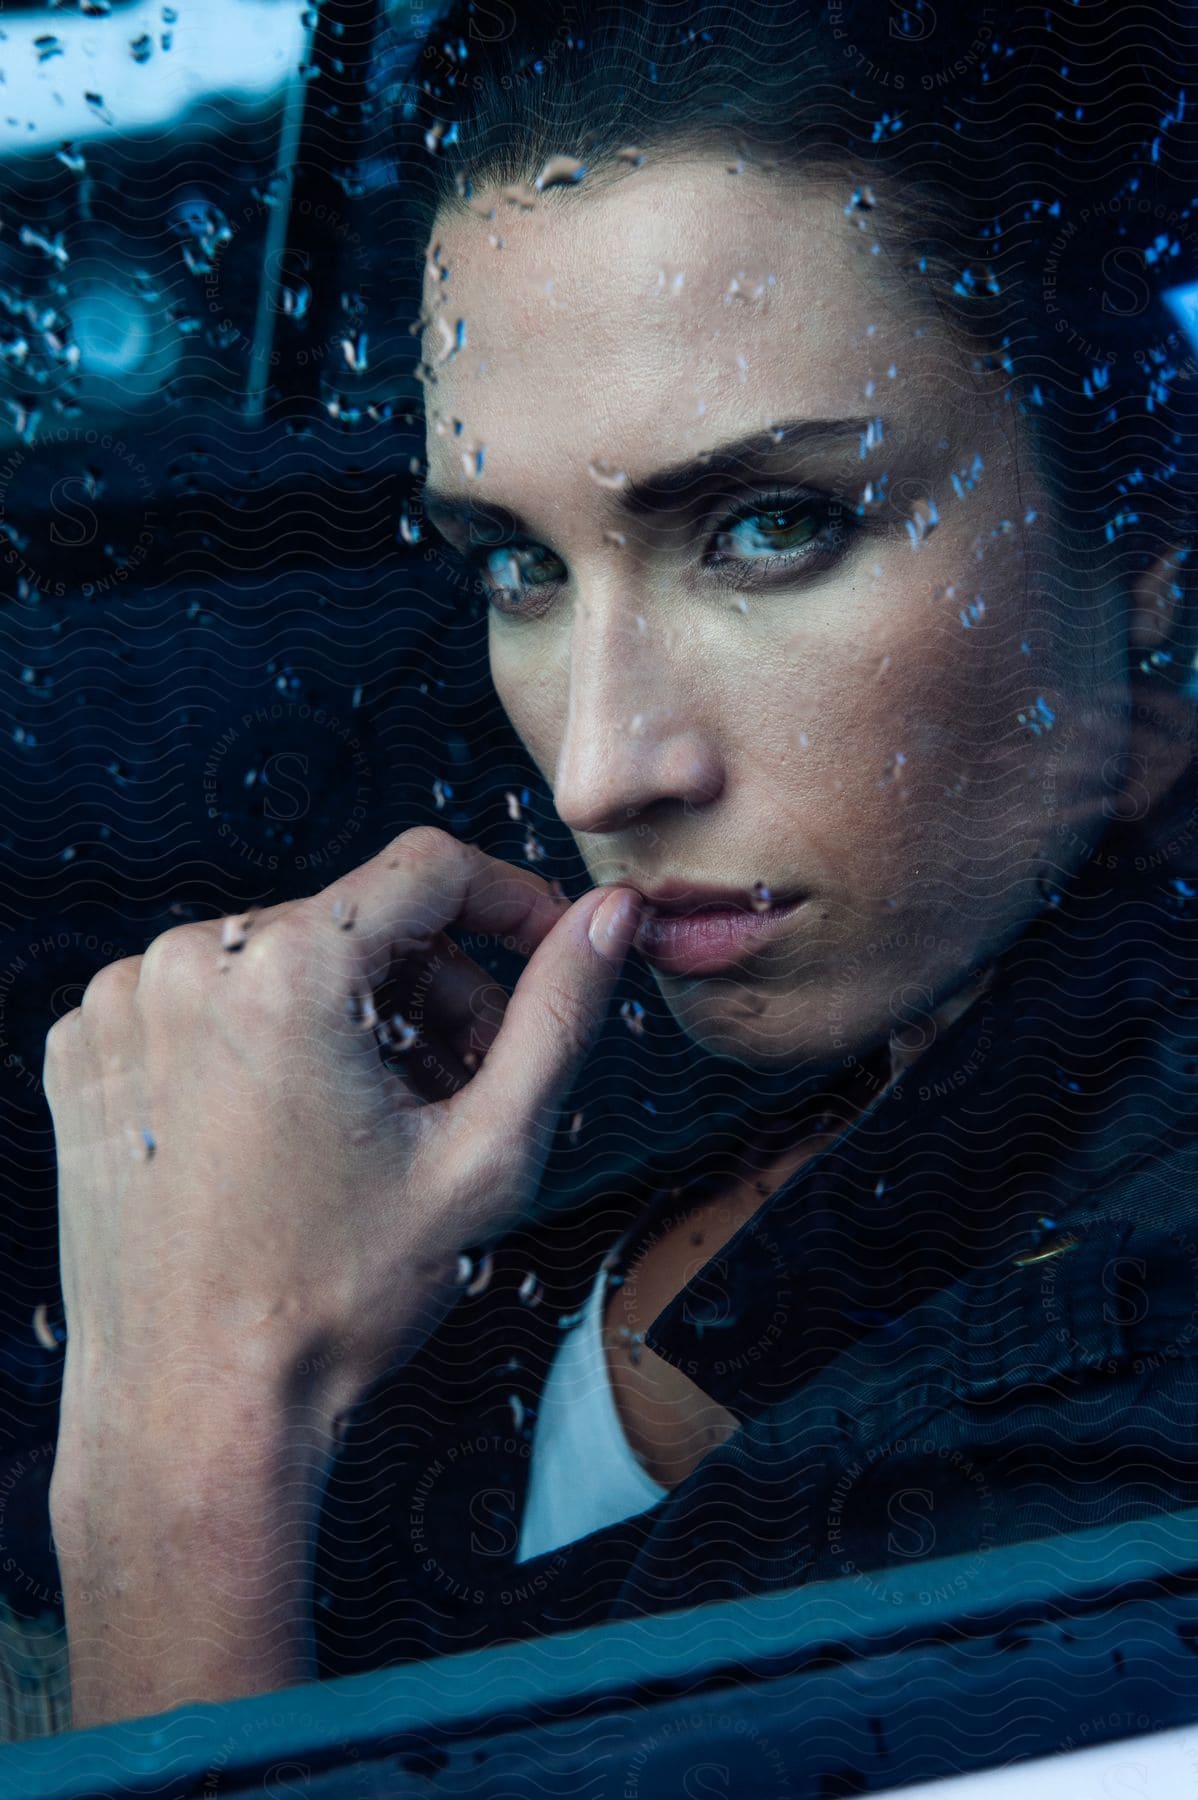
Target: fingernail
{"type": "Point", "coordinates": [614, 924]}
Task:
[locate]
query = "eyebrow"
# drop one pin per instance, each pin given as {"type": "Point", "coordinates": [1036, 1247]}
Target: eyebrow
{"type": "Point", "coordinates": [662, 490]}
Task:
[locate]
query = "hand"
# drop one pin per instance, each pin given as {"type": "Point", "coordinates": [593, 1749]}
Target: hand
{"type": "Point", "coordinates": [257, 1213]}
{"type": "Point", "coordinates": [246, 1189]}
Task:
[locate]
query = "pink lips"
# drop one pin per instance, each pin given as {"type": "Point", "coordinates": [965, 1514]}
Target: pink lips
{"type": "Point", "coordinates": [715, 937]}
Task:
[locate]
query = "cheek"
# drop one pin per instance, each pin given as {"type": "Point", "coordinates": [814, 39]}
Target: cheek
{"type": "Point", "coordinates": [906, 744]}
{"type": "Point", "coordinates": [534, 701]}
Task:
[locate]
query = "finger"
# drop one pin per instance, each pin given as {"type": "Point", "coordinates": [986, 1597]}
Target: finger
{"type": "Point", "coordinates": [394, 906]}
{"type": "Point", "coordinates": [552, 1019]}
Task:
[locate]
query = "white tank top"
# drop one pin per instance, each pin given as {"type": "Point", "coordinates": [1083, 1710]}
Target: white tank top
{"type": "Point", "coordinates": [584, 1474]}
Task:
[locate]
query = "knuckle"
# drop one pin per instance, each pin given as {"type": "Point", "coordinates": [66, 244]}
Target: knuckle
{"type": "Point", "coordinates": [110, 987]}
{"type": "Point", "coordinates": [61, 1038]}
{"type": "Point", "coordinates": [422, 839]}
{"type": "Point", "coordinates": [279, 963]}
{"type": "Point", "coordinates": [428, 844]}
{"type": "Point", "coordinates": [436, 864]}
{"type": "Point", "coordinates": [101, 1018]}
{"type": "Point", "coordinates": [176, 958]}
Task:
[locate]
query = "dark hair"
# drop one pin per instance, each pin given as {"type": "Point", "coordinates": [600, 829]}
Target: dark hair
{"type": "Point", "coordinates": [1030, 173]}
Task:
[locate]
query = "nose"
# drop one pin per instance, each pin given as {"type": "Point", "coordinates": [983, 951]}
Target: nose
{"type": "Point", "coordinates": [636, 736]}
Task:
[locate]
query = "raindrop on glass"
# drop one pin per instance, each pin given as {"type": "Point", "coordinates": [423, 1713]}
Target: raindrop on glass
{"type": "Point", "coordinates": [396, 1034]}
{"type": "Point", "coordinates": [633, 1015]}
{"type": "Point", "coordinates": [923, 521]}
{"type": "Point", "coordinates": [606, 474]}
{"type": "Point", "coordinates": [560, 170]}
{"type": "Point", "coordinates": [751, 288]}
{"type": "Point", "coordinates": [54, 247]}
{"type": "Point", "coordinates": [482, 1280]}
{"type": "Point", "coordinates": [361, 1009]}
{"type": "Point", "coordinates": [530, 1291]}
{"type": "Point", "coordinates": [41, 1328]}
{"type": "Point", "coordinates": [233, 933]}
{"type": "Point", "coordinates": [141, 1144]}
{"type": "Point", "coordinates": [354, 351]}
{"type": "Point", "coordinates": [295, 301]}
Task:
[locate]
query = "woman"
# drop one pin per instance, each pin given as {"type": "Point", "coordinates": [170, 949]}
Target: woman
{"type": "Point", "coordinates": [841, 601]}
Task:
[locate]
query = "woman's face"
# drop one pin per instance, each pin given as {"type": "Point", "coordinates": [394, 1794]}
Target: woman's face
{"type": "Point", "coordinates": [727, 675]}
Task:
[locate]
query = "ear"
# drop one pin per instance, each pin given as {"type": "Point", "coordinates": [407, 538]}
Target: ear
{"type": "Point", "coordinates": [1163, 713]}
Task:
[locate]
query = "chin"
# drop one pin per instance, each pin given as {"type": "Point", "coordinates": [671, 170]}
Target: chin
{"type": "Point", "coordinates": [735, 1019]}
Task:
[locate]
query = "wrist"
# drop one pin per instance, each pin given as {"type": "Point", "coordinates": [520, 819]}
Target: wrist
{"type": "Point", "coordinates": [186, 1560]}
{"type": "Point", "coordinates": [160, 1438]}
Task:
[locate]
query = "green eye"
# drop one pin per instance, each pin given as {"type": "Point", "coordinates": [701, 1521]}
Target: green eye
{"type": "Point", "coordinates": [512, 568]}
{"type": "Point", "coordinates": [773, 533]}
{"type": "Point", "coordinates": [768, 532]}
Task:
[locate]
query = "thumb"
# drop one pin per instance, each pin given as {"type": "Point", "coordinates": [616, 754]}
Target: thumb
{"type": "Point", "coordinates": [554, 1015]}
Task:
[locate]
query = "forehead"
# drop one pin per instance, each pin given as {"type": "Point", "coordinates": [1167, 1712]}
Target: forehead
{"type": "Point", "coordinates": [675, 305]}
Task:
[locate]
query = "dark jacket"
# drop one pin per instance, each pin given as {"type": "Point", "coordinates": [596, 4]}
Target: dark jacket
{"type": "Point", "coordinates": [971, 1321]}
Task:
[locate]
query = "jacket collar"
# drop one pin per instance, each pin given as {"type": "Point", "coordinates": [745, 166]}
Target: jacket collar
{"type": "Point", "coordinates": [974, 1155]}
